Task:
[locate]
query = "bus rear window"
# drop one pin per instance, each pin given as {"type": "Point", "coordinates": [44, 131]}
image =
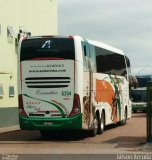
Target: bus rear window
{"type": "Point", "coordinates": [47, 48]}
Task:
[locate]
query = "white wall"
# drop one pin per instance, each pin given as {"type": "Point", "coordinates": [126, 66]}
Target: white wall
{"type": "Point", "coordinates": [38, 17]}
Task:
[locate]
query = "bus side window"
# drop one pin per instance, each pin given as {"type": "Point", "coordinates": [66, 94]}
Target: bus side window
{"type": "Point", "coordinates": [110, 62]}
{"type": "Point", "coordinates": [92, 58]}
{"type": "Point", "coordinates": [89, 58]}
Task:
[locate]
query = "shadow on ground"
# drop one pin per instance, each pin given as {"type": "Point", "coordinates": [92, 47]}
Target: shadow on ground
{"type": "Point", "coordinates": [128, 142]}
{"type": "Point", "coordinates": [127, 139]}
{"type": "Point", "coordinates": [139, 115]}
{"type": "Point", "coordinates": [36, 136]}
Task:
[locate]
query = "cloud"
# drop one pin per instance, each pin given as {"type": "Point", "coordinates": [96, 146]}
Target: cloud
{"type": "Point", "coordinates": [123, 24]}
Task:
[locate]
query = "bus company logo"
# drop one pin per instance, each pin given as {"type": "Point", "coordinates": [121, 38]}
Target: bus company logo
{"type": "Point", "coordinates": [47, 65]}
{"type": "Point", "coordinates": [55, 65]}
{"type": "Point", "coordinates": [47, 70]}
{"type": "Point", "coordinates": [39, 92]}
{"type": "Point", "coordinates": [36, 66]}
{"type": "Point", "coordinates": [48, 44]}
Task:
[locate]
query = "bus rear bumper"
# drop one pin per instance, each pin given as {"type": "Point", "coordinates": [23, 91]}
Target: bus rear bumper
{"type": "Point", "coordinates": [72, 123]}
{"type": "Point", "coordinates": [139, 108]}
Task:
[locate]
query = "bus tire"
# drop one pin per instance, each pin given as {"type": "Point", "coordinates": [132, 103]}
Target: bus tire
{"type": "Point", "coordinates": [123, 122]}
{"type": "Point", "coordinates": [94, 131]}
{"type": "Point", "coordinates": [101, 123]}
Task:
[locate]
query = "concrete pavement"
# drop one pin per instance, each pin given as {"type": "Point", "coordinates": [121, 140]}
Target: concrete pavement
{"type": "Point", "coordinates": [10, 128]}
{"type": "Point", "coordinates": [128, 139]}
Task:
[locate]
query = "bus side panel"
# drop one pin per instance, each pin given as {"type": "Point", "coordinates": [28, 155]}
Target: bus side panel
{"type": "Point", "coordinates": [103, 95]}
{"type": "Point", "coordinates": [79, 75]}
{"type": "Point", "coordinates": [125, 98]}
{"type": "Point", "coordinates": [109, 95]}
{"type": "Point", "coordinates": [87, 105]}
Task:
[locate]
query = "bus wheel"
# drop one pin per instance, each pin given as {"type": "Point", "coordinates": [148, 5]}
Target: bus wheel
{"type": "Point", "coordinates": [123, 122]}
{"type": "Point", "coordinates": [94, 131]}
{"type": "Point", "coordinates": [101, 123]}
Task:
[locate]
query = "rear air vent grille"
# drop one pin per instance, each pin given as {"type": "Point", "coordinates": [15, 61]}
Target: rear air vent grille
{"type": "Point", "coordinates": [47, 82]}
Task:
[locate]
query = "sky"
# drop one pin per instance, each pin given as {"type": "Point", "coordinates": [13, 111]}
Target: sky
{"type": "Point", "coordinates": [124, 24]}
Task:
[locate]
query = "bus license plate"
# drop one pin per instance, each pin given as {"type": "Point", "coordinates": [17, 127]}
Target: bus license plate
{"type": "Point", "coordinates": [48, 123]}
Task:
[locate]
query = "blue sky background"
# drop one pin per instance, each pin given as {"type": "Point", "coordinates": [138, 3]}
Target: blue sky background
{"type": "Point", "coordinates": [124, 24]}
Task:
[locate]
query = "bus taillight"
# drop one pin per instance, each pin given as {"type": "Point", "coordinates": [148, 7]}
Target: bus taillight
{"type": "Point", "coordinates": [76, 106]}
{"type": "Point", "coordinates": [21, 108]}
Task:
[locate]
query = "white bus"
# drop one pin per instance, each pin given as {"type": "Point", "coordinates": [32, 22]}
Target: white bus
{"type": "Point", "coordinates": [71, 83]}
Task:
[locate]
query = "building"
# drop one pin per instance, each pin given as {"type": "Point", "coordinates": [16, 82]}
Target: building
{"type": "Point", "coordinates": [17, 18]}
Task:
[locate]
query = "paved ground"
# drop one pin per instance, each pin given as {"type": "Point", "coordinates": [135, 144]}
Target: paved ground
{"type": "Point", "coordinates": [128, 139]}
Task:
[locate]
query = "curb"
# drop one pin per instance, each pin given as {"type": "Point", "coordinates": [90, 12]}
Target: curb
{"type": "Point", "coordinates": [10, 128]}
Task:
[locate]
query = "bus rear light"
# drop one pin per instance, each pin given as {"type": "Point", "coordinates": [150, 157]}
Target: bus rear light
{"type": "Point", "coordinates": [21, 73]}
{"type": "Point", "coordinates": [76, 106]}
{"type": "Point", "coordinates": [21, 108]}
